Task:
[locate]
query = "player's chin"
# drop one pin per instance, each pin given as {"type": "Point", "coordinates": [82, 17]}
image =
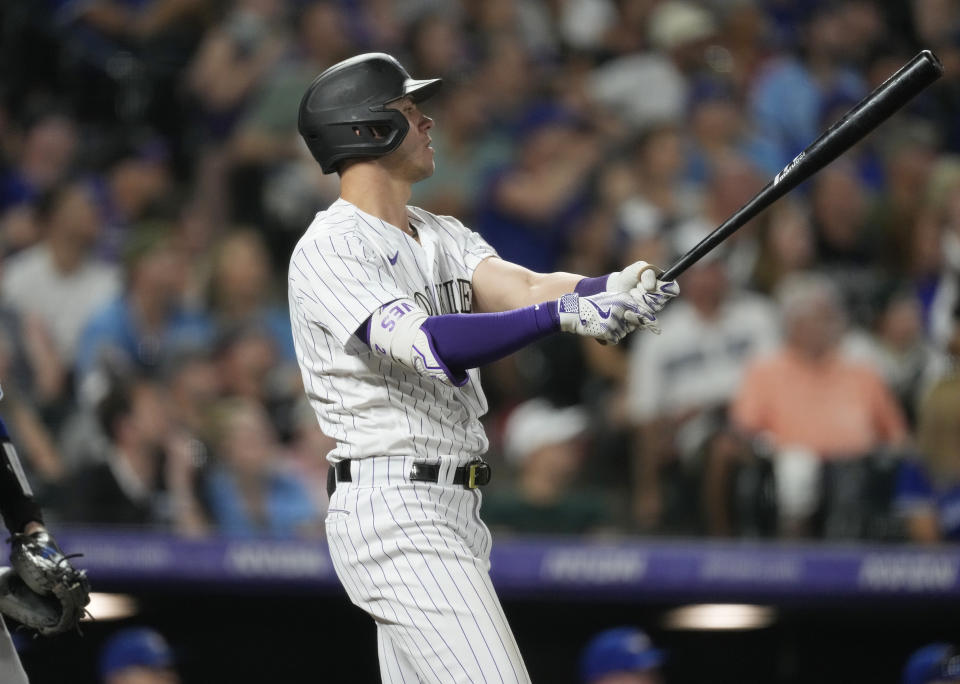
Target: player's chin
{"type": "Point", "coordinates": [426, 169]}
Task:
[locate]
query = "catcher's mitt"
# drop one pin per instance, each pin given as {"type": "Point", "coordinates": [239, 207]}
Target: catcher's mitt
{"type": "Point", "coordinates": [42, 591]}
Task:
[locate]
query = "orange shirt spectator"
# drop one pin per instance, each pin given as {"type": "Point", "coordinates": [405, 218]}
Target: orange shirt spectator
{"type": "Point", "coordinates": [807, 394]}
{"type": "Point", "coordinates": [832, 406]}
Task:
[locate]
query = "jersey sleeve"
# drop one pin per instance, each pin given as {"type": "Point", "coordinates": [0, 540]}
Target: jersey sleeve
{"type": "Point", "coordinates": [471, 244]}
{"type": "Point", "coordinates": [338, 281]}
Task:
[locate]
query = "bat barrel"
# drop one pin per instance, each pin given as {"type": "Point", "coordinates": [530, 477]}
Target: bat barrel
{"type": "Point", "coordinates": [870, 112]}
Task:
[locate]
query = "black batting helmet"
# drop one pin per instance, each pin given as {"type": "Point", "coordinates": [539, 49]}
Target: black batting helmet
{"type": "Point", "coordinates": [345, 101]}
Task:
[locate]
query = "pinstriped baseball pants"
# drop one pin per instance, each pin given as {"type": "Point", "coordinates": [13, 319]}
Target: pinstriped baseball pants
{"type": "Point", "coordinates": [415, 557]}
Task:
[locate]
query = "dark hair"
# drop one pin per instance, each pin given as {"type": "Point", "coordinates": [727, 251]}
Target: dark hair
{"type": "Point", "coordinates": [48, 201]}
{"type": "Point", "coordinates": [116, 404]}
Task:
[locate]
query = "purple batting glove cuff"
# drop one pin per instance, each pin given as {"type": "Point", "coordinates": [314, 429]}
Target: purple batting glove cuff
{"type": "Point", "coordinates": [591, 286]}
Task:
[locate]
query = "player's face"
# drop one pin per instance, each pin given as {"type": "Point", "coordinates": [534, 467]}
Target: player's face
{"type": "Point", "coordinates": [413, 160]}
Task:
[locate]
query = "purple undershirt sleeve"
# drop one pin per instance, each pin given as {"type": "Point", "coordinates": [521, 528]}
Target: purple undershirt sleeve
{"type": "Point", "coordinates": [463, 341]}
{"type": "Point", "coordinates": [591, 286]}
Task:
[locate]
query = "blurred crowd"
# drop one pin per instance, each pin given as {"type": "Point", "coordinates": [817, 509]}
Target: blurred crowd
{"type": "Point", "coordinates": [152, 184]}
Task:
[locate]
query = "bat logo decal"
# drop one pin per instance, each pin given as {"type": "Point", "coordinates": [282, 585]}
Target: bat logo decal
{"type": "Point", "coordinates": [789, 167]}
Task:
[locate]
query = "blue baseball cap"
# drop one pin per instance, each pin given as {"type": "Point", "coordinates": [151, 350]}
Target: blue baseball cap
{"type": "Point", "coordinates": [135, 647]}
{"type": "Point", "coordinates": [933, 663]}
{"type": "Point", "coordinates": [623, 649]}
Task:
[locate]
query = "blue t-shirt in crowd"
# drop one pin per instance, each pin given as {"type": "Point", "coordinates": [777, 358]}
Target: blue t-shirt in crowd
{"type": "Point", "coordinates": [115, 327]}
{"type": "Point", "coordinates": [288, 506]}
{"type": "Point", "coordinates": [915, 491]}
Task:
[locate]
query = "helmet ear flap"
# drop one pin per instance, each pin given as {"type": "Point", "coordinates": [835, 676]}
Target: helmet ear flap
{"type": "Point", "coordinates": [360, 139]}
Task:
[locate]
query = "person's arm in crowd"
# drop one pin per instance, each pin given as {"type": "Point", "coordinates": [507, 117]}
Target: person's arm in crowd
{"type": "Point", "coordinates": [888, 417]}
{"type": "Point", "coordinates": [49, 375]}
{"type": "Point", "coordinates": [220, 77]}
{"type": "Point", "coordinates": [161, 14]}
{"type": "Point", "coordinates": [37, 441]}
{"type": "Point", "coordinates": [540, 195]}
{"type": "Point", "coordinates": [189, 517]}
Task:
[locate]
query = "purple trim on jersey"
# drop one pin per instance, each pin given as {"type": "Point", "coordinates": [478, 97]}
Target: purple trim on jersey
{"type": "Point", "coordinates": [363, 332]}
{"type": "Point", "coordinates": [462, 341]}
{"type": "Point", "coordinates": [591, 286]}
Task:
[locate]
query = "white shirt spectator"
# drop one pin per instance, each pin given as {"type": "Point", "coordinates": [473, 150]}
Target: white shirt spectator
{"type": "Point", "coordinates": [696, 362]}
{"type": "Point", "coordinates": [64, 302]}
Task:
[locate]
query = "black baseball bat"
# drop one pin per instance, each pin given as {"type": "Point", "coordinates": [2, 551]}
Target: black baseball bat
{"type": "Point", "coordinates": [866, 115]}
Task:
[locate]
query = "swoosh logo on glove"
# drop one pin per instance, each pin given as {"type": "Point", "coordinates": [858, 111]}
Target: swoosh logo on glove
{"type": "Point", "coordinates": [603, 314]}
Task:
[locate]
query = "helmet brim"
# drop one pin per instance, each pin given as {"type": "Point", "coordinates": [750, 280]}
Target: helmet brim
{"type": "Point", "coordinates": [420, 90]}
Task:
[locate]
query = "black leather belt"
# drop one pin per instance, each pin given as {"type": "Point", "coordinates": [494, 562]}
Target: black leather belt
{"type": "Point", "coordinates": [470, 476]}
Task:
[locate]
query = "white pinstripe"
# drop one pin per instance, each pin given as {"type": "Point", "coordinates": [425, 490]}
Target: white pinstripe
{"type": "Point", "coordinates": [413, 556]}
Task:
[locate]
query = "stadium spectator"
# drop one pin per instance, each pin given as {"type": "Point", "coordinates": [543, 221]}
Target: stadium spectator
{"type": "Point", "coordinates": [786, 98]}
{"type": "Point", "coordinates": [250, 367]}
{"type": "Point", "coordinates": [847, 245]}
{"type": "Point", "coordinates": [437, 45]}
{"type": "Point", "coordinates": [896, 347]}
{"type": "Point", "coordinates": [193, 385]}
{"type": "Point", "coordinates": [252, 490]}
{"type": "Point", "coordinates": [241, 290]}
{"type": "Point", "coordinates": [137, 655]}
{"type": "Point", "coordinates": [655, 172]}
{"type": "Point", "coordinates": [623, 655]}
{"type": "Point", "coordinates": [731, 183]}
{"type": "Point", "coordinates": [544, 444]}
{"type": "Point", "coordinates": [37, 440]}
{"type": "Point", "coordinates": [45, 157]}
{"type": "Point", "coordinates": [147, 323]}
{"type": "Point", "coordinates": [529, 208]}
{"type": "Point", "coordinates": [941, 216]}
{"type": "Point", "coordinates": [786, 246]}
{"type": "Point", "coordinates": [679, 32]}
{"type": "Point", "coordinates": [836, 410]}
{"type": "Point", "coordinates": [30, 358]}
{"type": "Point", "coordinates": [58, 280]}
{"type": "Point", "coordinates": [908, 154]}
{"type": "Point", "coordinates": [717, 128]}
{"type": "Point", "coordinates": [679, 386]}
{"type": "Point", "coordinates": [928, 488]}
{"type": "Point", "coordinates": [270, 184]}
{"type": "Point", "coordinates": [308, 454]}
{"type": "Point", "coordinates": [130, 191]}
{"type": "Point", "coordinates": [125, 485]}
{"type": "Point", "coordinates": [233, 60]}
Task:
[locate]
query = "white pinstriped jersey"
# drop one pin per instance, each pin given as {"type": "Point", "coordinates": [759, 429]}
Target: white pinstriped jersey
{"type": "Point", "coordinates": [347, 265]}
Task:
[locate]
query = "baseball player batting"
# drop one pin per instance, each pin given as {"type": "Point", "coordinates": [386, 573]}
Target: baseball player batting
{"type": "Point", "coordinates": [393, 309]}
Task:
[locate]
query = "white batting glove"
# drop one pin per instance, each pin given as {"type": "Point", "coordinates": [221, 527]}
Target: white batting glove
{"type": "Point", "coordinates": [655, 293]}
{"type": "Point", "coordinates": [606, 316]}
